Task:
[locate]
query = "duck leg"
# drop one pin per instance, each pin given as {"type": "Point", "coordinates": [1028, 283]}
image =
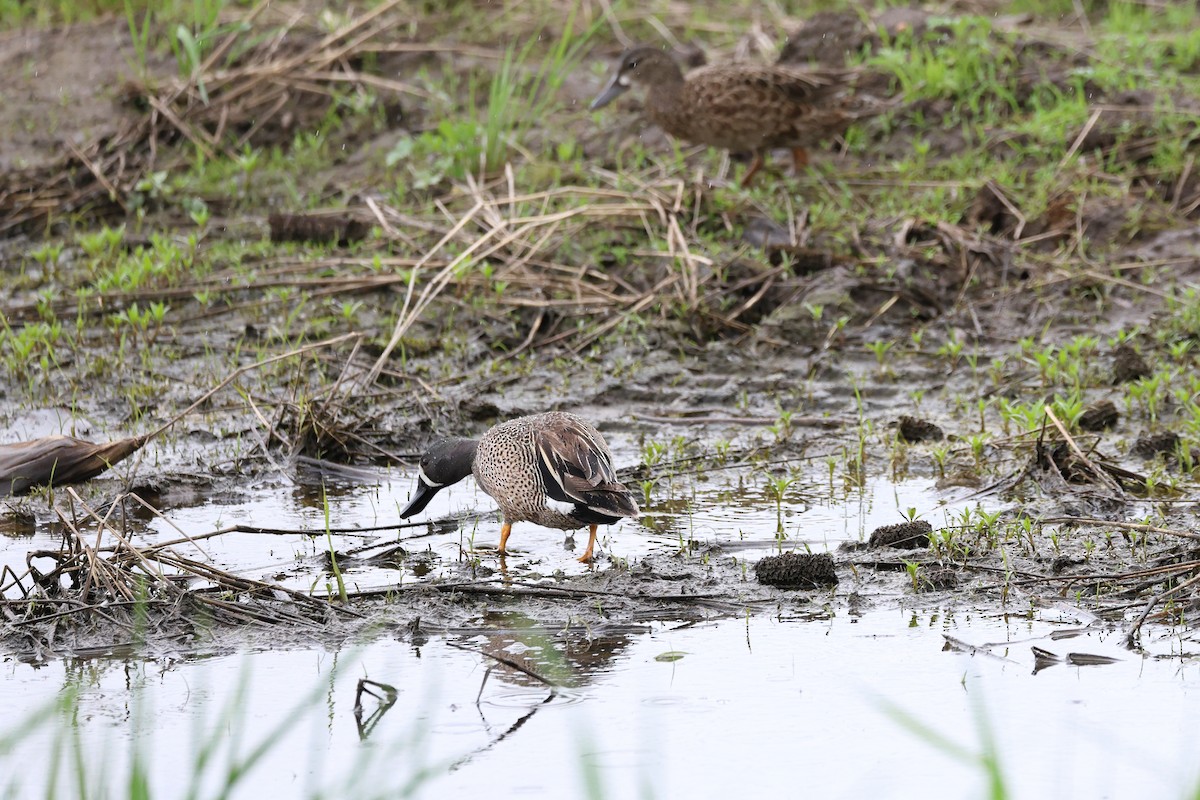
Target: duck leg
{"type": "Point", "coordinates": [505, 530]}
{"type": "Point", "coordinates": [799, 159]}
{"type": "Point", "coordinates": [755, 166]}
{"type": "Point", "coordinates": [587, 554]}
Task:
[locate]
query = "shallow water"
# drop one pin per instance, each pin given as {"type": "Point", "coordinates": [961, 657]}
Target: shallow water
{"type": "Point", "coordinates": [790, 708]}
{"type": "Point", "coordinates": [813, 515]}
{"type": "Point", "coordinates": [808, 699]}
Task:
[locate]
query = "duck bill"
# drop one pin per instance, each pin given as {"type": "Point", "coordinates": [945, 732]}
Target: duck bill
{"type": "Point", "coordinates": [610, 93]}
{"type": "Point", "coordinates": [420, 499]}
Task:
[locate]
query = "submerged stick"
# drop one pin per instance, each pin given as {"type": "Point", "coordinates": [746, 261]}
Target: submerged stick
{"type": "Point", "coordinates": [386, 701]}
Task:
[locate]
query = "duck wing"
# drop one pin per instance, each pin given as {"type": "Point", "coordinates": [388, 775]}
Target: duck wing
{"type": "Point", "coordinates": [576, 467]}
{"type": "Point", "coordinates": [724, 88]}
{"type": "Point", "coordinates": [750, 106]}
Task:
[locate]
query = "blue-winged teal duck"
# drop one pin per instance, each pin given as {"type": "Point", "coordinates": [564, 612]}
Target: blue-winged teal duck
{"type": "Point", "coordinates": [738, 106]}
{"type": "Point", "coordinates": [551, 469]}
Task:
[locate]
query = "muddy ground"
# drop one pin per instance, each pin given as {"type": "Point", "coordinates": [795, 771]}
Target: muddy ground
{"type": "Point", "coordinates": [738, 348]}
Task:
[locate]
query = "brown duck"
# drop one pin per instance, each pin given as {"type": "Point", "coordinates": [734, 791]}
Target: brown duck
{"type": "Point", "coordinates": [552, 469]}
{"type": "Point", "coordinates": [738, 107]}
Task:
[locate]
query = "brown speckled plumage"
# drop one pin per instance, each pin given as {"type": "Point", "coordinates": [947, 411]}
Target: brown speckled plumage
{"type": "Point", "coordinates": [551, 469]}
{"type": "Point", "coordinates": [738, 107]}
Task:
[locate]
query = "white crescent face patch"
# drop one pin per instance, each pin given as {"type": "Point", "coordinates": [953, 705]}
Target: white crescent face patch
{"type": "Point", "coordinates": [425, 479]}
{"type": "Point", "coordinates": [623, 80]}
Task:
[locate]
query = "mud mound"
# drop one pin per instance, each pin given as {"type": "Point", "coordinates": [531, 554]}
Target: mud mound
{"type": "Point", "coordinates": [1099, 416]}
{"type": "Point", "coordinates": [913, 429]}
{"type": "Point", "coordinates": [797, 571]}
{"type": "Point", "coordinates": [904, 535]}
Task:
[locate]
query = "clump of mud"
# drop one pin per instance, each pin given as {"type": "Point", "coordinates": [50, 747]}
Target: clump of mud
{"type": "Point", "coordinates": [1128, 365]}
{"type": "Point", "coordinates": [1099, 416]}
{"type": "Point", "coordinates": [1149, 445]}
{"type": "Point", "coordinates": [905, 535]}
{"type": "Point", "coordinates": [913, 429]}
{"type": "Point", "coordinates": [797, 571]}
{"type": "Point", "coordinates": [339, 229]}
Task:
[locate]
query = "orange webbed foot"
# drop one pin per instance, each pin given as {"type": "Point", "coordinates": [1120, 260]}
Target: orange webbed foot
{"type": "Point", "coordinates": [505, 532]}
{"type": "Point", "coordinates": [586, 558]}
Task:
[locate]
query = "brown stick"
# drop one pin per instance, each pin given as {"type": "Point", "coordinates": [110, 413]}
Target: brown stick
{"type": "Point", "coordinates": [1130, 526]}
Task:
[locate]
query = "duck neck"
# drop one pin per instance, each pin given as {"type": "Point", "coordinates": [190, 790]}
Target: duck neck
{"type": "Point", "coordinates": [664, 99]}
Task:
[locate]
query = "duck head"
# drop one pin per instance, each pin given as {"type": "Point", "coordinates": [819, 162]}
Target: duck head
{"type": "Point", "coordinates": [444, 463]}
{"type": "Point", "coordinates": [641, 66]}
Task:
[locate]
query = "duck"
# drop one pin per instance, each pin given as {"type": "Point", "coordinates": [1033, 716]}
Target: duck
{"type": "Point", "coordinates": [738, 106]}
{"type": "Point", "coordinates": [552, 469]}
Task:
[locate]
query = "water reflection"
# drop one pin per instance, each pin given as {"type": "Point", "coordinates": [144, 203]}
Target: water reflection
{"type": "Point", "coordinates": [541, 667]}
{"type": "Point", "coordinates": [636, 694]}
{"type": "Point", "coordinates": [526, 654]}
